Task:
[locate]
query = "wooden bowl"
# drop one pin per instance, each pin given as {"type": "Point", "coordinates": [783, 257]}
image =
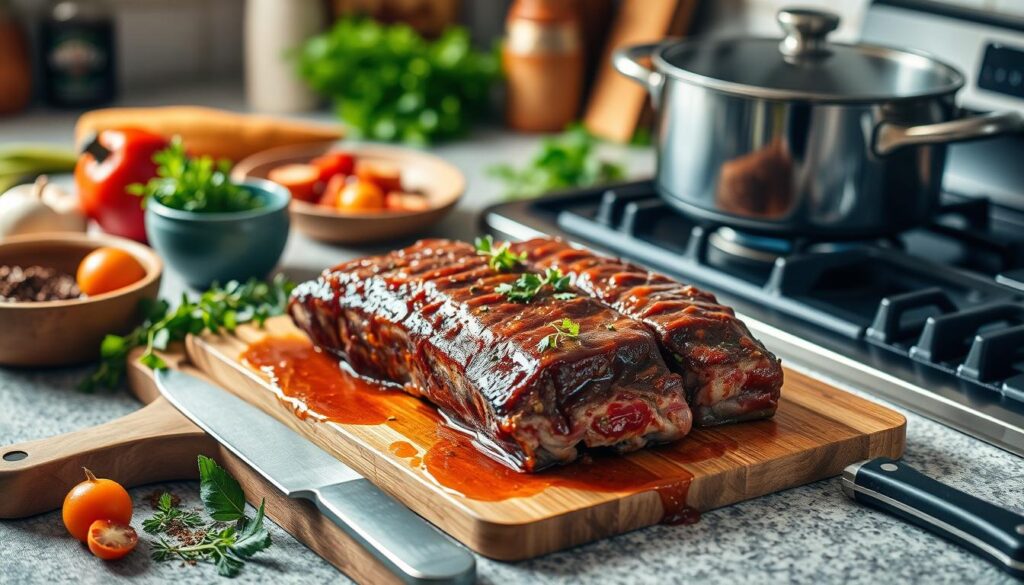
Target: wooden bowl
{"type": "Point", "coordinates": [439, 181]}
{"type": "Point", "coordinates": [60, 333]}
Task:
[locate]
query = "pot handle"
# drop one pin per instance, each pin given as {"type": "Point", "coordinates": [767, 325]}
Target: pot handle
{"type": "Point", "coordinates": [626, 61]}
{"type": "Point", "coordinates": [891, 137]}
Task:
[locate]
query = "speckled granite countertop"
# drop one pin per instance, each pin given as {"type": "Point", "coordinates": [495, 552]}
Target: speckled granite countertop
{"type": "Point", "coordinates": [810, 534]}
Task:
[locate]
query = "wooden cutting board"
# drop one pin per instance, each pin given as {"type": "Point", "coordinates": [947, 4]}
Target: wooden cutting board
{"type": "Point", "coordinates": [155, 444]}
{"type": "Point", "coordinates": [817, 431]}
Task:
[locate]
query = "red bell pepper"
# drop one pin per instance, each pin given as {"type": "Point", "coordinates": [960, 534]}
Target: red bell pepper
{"type": "Point", "coordinates": [109, 163]}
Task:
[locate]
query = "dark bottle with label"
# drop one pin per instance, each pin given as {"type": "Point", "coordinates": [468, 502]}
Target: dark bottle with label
{"type": "Point", "coordinates": [79, 63]}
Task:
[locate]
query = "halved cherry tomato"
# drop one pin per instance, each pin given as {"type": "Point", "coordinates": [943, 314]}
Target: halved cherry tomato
{"type": "Point", "coordinates": [334, 163]}
{"type": "Point", "coordinates": [107, 269]}
{"type": "Point", "coordinates": [386, 176]}
{"type": "Point", "coordinates": [111, 540]}
{"type": "Point", "coordinates": [332, 192]}
{"type": "Point", "coordinates": [300, 180]}
{"type": "Point", "coordinates": [359, 196]}
{"type": "Point", "coordinates": [95, 499]}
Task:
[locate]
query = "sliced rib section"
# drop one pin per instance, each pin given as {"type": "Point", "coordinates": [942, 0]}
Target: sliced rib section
{"type": "Point", "coordinates": [729, 375]}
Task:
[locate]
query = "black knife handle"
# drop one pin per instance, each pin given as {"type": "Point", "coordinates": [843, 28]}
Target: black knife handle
{"type": "Point", "coordinates": [895, 487]}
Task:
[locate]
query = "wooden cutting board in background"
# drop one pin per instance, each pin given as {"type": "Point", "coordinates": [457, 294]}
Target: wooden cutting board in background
{"type": "Point", "coordinates": [616, 105]}
{"type": "Point", "coordinates": [817, 431]}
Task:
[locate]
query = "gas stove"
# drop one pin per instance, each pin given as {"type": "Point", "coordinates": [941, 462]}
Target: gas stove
{"type": "Point", "coordinates": [931, 319]}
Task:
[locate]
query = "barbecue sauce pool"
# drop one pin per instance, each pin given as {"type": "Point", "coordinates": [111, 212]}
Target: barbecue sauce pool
{"type": "Point", "coordinates": [313, 384]}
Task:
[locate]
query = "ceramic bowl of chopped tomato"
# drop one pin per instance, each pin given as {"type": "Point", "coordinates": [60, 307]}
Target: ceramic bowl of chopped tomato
{"type": "Point", "coordinates": [355, 193]}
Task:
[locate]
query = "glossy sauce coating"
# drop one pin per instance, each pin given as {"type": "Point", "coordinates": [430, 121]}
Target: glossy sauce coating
{"type": "Point", "coordinates": [312, 383]}
{"type": "Point", "coordinates": [730, 375]}
{"type": "Point", "coordinates": [428, 318]}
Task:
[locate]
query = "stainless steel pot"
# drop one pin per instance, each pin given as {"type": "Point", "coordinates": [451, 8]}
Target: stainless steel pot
{"type": "Point", "coordinates": [802, 137]}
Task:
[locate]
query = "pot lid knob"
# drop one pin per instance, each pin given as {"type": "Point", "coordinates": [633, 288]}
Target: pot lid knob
{"type": "Point", "coordinates": [805, 32]}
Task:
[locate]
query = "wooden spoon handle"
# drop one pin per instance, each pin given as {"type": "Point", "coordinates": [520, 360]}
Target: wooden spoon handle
{"type": "Point", "coordinates": [155, 443]}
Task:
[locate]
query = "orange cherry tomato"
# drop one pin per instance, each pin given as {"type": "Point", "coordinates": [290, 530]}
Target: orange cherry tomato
{"type": "Point", "coordinates": [360, 196]}
{"type": "Point", "coordinates": [95, 499]}
{"type": "Point", "coordinates": [111, 540]}
{"type": "Point", "coordinates": [107, 269]}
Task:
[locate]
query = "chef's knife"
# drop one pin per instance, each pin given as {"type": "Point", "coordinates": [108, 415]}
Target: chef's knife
{"type": "Point", "coordinates": [989, 530]}
{"type": "Point", "coordinates": [407, 544]}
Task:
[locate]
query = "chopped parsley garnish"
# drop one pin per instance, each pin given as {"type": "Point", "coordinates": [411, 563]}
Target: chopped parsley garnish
{"type": "Point", "coordinates": [565, 330]}
{"type": "Point", "coordinates": [499, 258]}
{"type": "Point", "coordinates": [200, 184]}
{"type": "Point", "coordinates": [528, 285]}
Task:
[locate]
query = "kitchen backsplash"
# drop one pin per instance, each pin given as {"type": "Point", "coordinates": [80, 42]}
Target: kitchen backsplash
{"type": "Point", "coordinates": [161, 41]}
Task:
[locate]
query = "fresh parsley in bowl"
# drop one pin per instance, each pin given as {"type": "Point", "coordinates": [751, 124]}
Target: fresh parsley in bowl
{"type": "Point", "coordinates": [206, 226]}
{"type": "Point", "coordinates": [197, 184]}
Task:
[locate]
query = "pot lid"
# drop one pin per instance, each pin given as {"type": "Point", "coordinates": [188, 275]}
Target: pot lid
{"type": "Point", "coordinates": [805, 66]}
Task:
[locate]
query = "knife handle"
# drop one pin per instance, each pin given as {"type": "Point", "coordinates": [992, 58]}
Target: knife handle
{"type": "Point", "coordinates": [985, 528]}
{"type": "Point", "coordinates": [409, 545]}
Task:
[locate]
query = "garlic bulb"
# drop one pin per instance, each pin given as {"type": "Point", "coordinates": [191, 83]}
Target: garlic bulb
{"type": "Point", "coordinates": [40, 207]}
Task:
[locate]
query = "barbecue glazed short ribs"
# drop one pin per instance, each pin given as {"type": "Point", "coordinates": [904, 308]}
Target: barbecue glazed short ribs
{"type": "Point", "coordinates": [729, 375]}
{"type": "Point", "coordinates": [427, 317]}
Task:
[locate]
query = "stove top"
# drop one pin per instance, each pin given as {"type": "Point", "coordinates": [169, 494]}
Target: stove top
{"type": "Point", "coordinates": [932, 319]}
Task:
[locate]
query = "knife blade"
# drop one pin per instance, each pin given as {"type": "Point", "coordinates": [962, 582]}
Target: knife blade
{"type": "Point", "coordinates": [408, 545]}
{"type": "Point", "coordinates": [982, 527]}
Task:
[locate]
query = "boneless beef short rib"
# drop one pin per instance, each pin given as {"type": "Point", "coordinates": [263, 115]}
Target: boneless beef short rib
{"type": "Point", "coordinates": [427, 317]}
{"type": "Point", "coordinates": [729, 375]}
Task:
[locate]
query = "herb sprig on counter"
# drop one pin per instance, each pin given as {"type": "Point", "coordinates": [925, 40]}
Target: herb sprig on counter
{"type": "Point", "coordinates": [563, 161]}
{"type": "Point", "coordinates": [169, 517]}
{"type": "Point", "coordinates": [198, 184]}
{"type": "Point", "coordinates": [528, 285]}
{"type": "Point", "coordinates": [565, 330]}
{"type": "Point", "coordinates": [499, 258]}
{"type": "Point", "coordinates": [227, 547]}
{"type": "Point", "coordinates": [217, 308]}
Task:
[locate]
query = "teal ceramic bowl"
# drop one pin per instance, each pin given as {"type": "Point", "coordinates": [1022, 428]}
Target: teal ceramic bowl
{"type": "Point", "coordinates": [217, 247]}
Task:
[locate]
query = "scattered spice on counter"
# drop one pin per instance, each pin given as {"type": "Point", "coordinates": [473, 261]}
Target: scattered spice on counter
{"type": "Point", "coordinates": [35, 284]}
{"type": "Point", "coordinates": [192, 540]}
{"type": "Point", "coordinates": [170, 518]}
{"type": "Point", "coordinates": [155, 497]}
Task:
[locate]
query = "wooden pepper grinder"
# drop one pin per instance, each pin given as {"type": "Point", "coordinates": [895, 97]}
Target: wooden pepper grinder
{"type": "Point", "coordinates": [543, 59]}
